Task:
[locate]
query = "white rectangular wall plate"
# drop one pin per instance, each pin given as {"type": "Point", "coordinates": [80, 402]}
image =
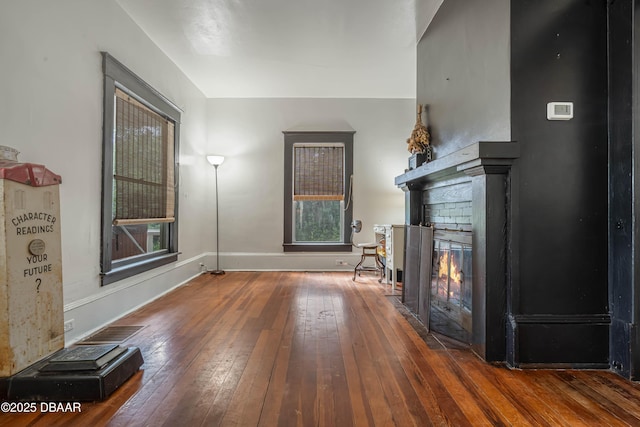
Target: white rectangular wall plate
{"type": "Point", "coordinates": [559, 110]}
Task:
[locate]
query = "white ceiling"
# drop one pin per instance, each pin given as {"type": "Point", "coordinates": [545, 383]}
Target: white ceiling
{"type": "Point", "coordinates": [287, 48]}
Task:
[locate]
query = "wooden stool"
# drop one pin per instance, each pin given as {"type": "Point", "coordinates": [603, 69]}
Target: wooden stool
{"type": "Point", "coordinates": [369, 250]}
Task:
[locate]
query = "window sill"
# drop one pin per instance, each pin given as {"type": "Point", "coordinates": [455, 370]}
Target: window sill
{"type": "Point", "coordinates": [317, 247]}
{"type": "Point", "coordinates": [129, 270]}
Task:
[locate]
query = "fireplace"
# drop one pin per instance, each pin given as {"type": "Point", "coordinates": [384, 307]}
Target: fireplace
{"type": "Point", "coordinates": [465, 198]}
{"type": "Point", "coordinates": [451, 284]}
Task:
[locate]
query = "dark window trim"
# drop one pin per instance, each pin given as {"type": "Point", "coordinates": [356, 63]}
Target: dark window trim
{"type": "Point", "coordinates": [128, 81]}
{"type": "Point", "coordinates": [117, 75]}
{"type": "Point", "coordinates": [290, 138]}
{"type": "Point", "coordinates": [129, 270]}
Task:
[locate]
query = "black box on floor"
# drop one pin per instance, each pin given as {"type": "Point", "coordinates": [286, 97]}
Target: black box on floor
{"type": "Point", "coordinates": [40, 383]}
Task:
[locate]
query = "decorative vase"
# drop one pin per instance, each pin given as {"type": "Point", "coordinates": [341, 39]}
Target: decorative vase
{"type": "Point", "coordinates": [417, 159]}
{"type": "Point", "coordinates": [419, 142]}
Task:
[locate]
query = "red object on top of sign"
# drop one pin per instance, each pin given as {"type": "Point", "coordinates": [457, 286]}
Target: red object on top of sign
{"type": "Point", "coordinates": [28, 173]}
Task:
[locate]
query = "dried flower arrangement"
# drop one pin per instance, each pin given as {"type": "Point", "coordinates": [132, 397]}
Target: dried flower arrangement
{"type": "Point", "coordinates": [419, 140]}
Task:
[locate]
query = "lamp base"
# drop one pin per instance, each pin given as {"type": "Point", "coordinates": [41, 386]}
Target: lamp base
{"type": "Point", "coordinates": [217, 272]}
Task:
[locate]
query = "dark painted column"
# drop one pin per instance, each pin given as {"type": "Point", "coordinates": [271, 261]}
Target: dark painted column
{"type": "Point", "coordinates": [489, 193]}
{"type": "Point", "coordinates": [412, 204]}
{"type": "Point", "coordinates": [558, 306]}
{"type": "Point", "coordinates": [624, 271]}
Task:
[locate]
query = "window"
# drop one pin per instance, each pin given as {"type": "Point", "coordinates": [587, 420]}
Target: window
{"type": "Point", "coordinates": [140, 146]}
{"type": "Point", "coordinates": [317, 210]}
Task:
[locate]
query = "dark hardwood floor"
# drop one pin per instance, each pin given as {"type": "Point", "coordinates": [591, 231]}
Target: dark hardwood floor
{"type": "Point", "coordinates": [316, 349]}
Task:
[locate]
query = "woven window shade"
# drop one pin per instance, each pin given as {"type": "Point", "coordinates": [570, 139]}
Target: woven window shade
{"type": "Point", "coordinates": [318, 173]}
{"type": "Point", "coordinates": [143, 177]}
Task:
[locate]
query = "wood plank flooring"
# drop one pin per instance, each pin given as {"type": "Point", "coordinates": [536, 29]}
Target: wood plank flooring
{"type": "Point", "coordinates": [316, 349]}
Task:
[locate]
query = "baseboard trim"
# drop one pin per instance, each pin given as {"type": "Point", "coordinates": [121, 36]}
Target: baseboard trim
{"type": "Point", "coordinates": [93, 313]}
{"type": "Point", "coordinates": [561, 342]}
{"type": "Point", "coordinates": [128, 283]}
{"type": "Point", "coordinates": [562, 318]}
{"type": "Point", "coordinates": [281, 261]}
{"type": "Point", "coordinates": [564, 366]}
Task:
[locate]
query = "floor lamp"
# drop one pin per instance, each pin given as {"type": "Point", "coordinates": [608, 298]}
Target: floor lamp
{"type": "Point", "coordinates": [215, 162]}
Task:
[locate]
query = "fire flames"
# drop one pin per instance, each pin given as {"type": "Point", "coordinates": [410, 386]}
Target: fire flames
{"type": "Point", "coordinates": [455, 274]}
{"type": "Point", "coordinates": [449, 267]}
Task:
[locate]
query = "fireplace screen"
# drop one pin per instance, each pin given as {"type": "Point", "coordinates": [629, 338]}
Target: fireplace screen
{"type": "Point", "coordinates": [451, 289]}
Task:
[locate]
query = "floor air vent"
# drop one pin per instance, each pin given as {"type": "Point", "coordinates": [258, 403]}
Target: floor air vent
{"type": "Point", "coordinates": [112, 334]}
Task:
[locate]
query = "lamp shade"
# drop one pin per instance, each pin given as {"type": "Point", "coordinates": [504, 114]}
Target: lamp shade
{"type": "Point", "coordinates": [215, 160]}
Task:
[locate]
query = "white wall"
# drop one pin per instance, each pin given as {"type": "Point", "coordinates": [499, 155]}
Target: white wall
{"type": "Point", "coordinates": [51, 111]}
{"type": "Point", "coordinates": [425, 11]}
{"type": "Point", "coordinates": [249, 133]}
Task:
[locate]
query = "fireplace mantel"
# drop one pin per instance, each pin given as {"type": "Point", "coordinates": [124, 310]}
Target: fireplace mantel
{"type": "Point", "coordinates": [480, 154]}
{"type": "Point", "coordinates": [484, 167]}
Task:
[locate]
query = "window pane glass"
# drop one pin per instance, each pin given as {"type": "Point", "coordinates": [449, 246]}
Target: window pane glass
{"type": "Point", "coordinates": [317, 220]}
{"type": "Point", "coordinates": [135, 240]}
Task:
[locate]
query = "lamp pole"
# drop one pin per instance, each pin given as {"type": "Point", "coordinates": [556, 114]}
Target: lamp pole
{"type": "Point", "coordinates": [217, 161]}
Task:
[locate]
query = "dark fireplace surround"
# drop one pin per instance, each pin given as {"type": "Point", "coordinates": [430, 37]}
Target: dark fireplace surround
{"type": "Point", "coordinates": [480, 171]}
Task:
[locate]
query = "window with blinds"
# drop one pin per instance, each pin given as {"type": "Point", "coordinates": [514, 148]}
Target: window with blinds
{"type": "Point", "coordinates": [318, 172]}
{"type": "Point", "coordinates": [139, 207]}
{"type": "Point", "coordinates": [143, 185]}
{"type": "Point", "coordinates": [317, 211]}
{"type": "Point", "coordinates": [318, 192]}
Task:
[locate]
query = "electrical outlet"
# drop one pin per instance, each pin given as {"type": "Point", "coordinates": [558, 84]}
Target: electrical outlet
{"type": "Point", "coordinates": [340, 262]}
{"type": "Point", "coordinates": [68, 325]}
